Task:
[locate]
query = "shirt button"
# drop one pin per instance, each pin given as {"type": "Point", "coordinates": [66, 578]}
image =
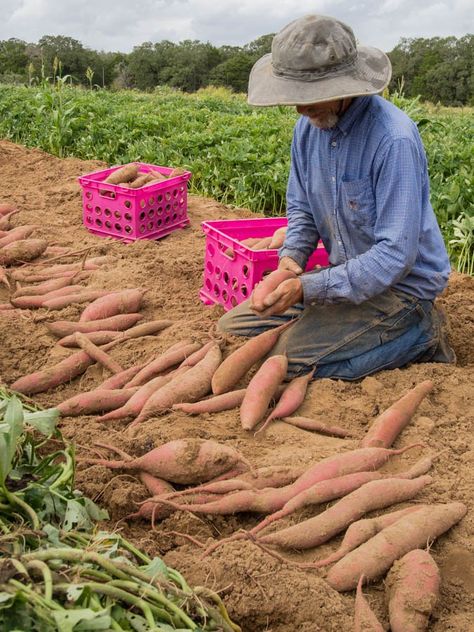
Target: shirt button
{"type": "Point", "coordinates": [333, 179]}
{"type": "Point", "coordinates": [340, 243]}
{"type": "Point", "coordinates": [333, 144]}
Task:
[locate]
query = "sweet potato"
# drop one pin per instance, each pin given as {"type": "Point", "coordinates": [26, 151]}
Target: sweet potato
{"type": "Point", "coordinates": [169, 359]}
{"type": "Point", "coordinates": [124, 302]}
{"type": "Point", "coordinates": [18, 233]}
{"type": "Point", "coordinates": [6, 208]}
{"type": "Point", "coordinates": [198, 355]}
{"type": "Point", "coordinates": [322, 492]}
{"type": "Point", "coordinates": [144, 329]}
{"type": "Point", "coordinates": [360, 531]}
{"type": "Point", "coordinates": [46, 379]}
{"type": "Point", "coordinates": [123, 174]}
{"type": "Point", "coordinates": [60, 270]}
{"type": "Point", "coordinates": [5, 220]}
{"type": "Point", "coordinates": [262, 244]}
{"type": "Point", "coordinates": [40, 277]}
{"type": "Point", "coordinates": [216, 404]}
{"type": "Point", "coordinates": [92, 402]}
{"type": "Point", "coordinates": [120, 379]}
{"type": "Point", "coordinates": [96, 337]}
{"type": "Point", "coordinates": [62, 328]}
{"type": "Point", "coordinates": [236, 365]}
{"type": "Point", "coordinates": [261, 390]}
{"type": "Point", "coordinates": [364, 618]}
{"type": "Point", "coordinates": [373, 558]}
{"type": "Point", "coordinates": [291, 399]}
{"type": "Point", "coordinates": [270, 500]}
{"type": "Point", "coordinates": [267, 285]}
{"type": "Point", "coordinates": [60, 302]}
{"type": "Point", "coordinates": [321, 528]}
{"type": "Point", "coordinates": [49, 286]}
{"type": "Point", "coordinates": [35, 302]}
{"type": "Point", "coordinates": [313, 425]}
{"type": "Point", "coordinates": [193, 385]}
{"type": "Point", "coordinates": [99, 355]}
{"type": "Point", "coordinates": [4, 278]}
{"type": "Point", "coordinates": [412, 590]}
{"type": "Point", "coordinates": [278, 238]}
{"type": "Point", "coordinates": [134, 405]}
{"type": "Point", "coordinates": [22, 250]}
{"type": "Point", "coordinates": [386, 428]}
{"type": "Point", "coordinates": [184, 461]}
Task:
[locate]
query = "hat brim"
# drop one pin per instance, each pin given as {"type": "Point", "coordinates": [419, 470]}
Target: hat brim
{"type": "Point", "coordinates": [370, 74]}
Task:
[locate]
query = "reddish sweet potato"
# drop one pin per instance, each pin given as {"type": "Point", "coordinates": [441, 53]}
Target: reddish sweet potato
{"type": "Point", "coordinates": [22, 250]}
{"type": "Point", "coordinates": [169, 359]}
{"type": "Point", "coordinates": [97, 337]}
{"type": "Point", "coordinates": [49, 286]}
{"type": "Point", "coordinates": [267, 285]}
{"type": "Point", "coordinates": [6, 208]}
{"type": "Point", "coordinates": [92, 402]}
{"type": "Point", "coordinates": [364, 618]}
{"type": "Point", "coordinates": [291, 399]}
{"type": "Point", "coordinates": [184, 461]}
{"type": "Point", "coordinates": [144, 329]}
{"type": "Point", "coordinates": [4, 278]}
{"type": "Point", "coordinates": [278, 238]}
{"type": "Point", "coordinates": [305, 423]}
{"type": "Point", "coordinates": [412, 589]}
{"type": "Point", "coordinates": [35, 302]}
{"type": "Point", "coordinates": [390, 423]}
{"type": "Point", "coordinates": [262, 244]}
{"type": "Point", "coordinates": [122, 174]}
{"type": "Point", "coordinates": [18, 233]}
{"type": "Point", "coordinates": [60, 302]}
{"type": "Point", "coordinates": [193, 385]}
{"type": "Point", "coordinates": [236, 365]}
{"type": "Point", "coordinates": [362, 530]}
{"type": "Point", "coordinates": [134, 405]}
{"type": "Point", "coordinates": [373, 495]}
{"type": "Point", "coordinates": [373, 558]}
{"type": "Point", "coordinates": [53, 376]}
{"type": "Point", "coordinates": [5, 219]}
{"type": "Point", "coordinates": [124, 302]}
{"type": "Point", "coordinates": [216, 404]}
{"type": "Point", "coordinates": [261, 390]}
{"type": "Point", "coordinates": [120, 379]}
{"type": "Point", "coordinates": [198, 355]}
{"type": "Point", "coordinates": [62, 328]}
{"type": "Point", "coordinates": [99, 355]}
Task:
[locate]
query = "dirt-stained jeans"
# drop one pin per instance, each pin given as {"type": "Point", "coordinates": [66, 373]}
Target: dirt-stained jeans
{"type": "Point", "coordinates": [347, 341]}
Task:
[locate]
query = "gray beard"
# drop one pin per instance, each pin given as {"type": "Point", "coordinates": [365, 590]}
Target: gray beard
{"type": "Point", "coordinates": [328, 121]}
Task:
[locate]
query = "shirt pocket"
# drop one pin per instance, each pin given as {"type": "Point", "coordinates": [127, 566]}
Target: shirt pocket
{"type": "Point", "coordinates": [358, 201]}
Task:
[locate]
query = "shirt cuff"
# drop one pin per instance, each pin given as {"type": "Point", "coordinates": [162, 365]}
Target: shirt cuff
{"type": "Point", "coordinates": [315, 287]}
{"type": "Point", "coordinates": [298, 256]}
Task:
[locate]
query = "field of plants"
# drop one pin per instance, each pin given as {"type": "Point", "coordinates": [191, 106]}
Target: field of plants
{"type": "Point", "coordinates": [237, 154]}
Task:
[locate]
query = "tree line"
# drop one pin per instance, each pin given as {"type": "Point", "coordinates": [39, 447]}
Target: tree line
{"type": "Point", "coordinates": [438, 69]}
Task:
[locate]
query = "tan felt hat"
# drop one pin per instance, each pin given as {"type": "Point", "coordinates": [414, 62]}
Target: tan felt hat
{"type": "Point", "coordinates": [315, 58]}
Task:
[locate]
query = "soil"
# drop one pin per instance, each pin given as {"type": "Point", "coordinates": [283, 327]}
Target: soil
{"type": "Point", "coordinates": [260, 592]}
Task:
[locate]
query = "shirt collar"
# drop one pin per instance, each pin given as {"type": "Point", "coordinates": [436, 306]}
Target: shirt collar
{"type": "Point", "coordinates": [355, 110]}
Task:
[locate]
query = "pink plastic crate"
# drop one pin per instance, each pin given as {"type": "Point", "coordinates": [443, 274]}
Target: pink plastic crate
{"type": "Point", "coordinates": [229, 280]}
{"type": "Point", "coordinates": [150, 212]}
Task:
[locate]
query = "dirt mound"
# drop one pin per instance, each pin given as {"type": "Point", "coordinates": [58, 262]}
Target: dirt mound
{"type": "Point", "coordinates": [262, 594]}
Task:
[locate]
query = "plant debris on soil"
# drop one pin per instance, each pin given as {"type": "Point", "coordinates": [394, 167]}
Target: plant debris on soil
{"type": "Point", "coordinates": [260, 592]}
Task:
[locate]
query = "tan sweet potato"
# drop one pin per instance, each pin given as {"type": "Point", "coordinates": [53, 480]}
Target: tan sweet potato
{"type": "Point", "coordinates": [123, 174]}
{"type": "Point", "coordinates": [22, 250]}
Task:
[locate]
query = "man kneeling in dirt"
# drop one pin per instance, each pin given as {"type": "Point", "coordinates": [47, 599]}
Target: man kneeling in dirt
{"type": "Point", "coordinates": [359, 182]}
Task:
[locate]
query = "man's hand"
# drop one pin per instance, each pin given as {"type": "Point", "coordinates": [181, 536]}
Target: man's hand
{"type": "Point", "coordinates": [286, 295]}
{"type": "Point", "coordinates": [287, 263]}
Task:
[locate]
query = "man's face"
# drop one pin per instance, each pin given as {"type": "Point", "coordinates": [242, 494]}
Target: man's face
{"type": "Point", "coordinates": [322, 115]}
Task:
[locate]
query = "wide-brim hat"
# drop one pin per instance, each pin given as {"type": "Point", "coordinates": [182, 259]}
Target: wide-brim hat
{"type": "Point", "coordinates": [315, 59]}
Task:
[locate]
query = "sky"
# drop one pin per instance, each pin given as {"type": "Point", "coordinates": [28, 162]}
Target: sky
{"type": "Point", "coordinates": [119, 25]}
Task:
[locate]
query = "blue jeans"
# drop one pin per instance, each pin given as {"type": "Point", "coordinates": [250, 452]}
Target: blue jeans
{"type": "Point", "coordinates": [347, 341]}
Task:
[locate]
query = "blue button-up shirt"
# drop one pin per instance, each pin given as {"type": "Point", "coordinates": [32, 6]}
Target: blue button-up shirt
{"type": "Point", "coordinates": [362, 187]}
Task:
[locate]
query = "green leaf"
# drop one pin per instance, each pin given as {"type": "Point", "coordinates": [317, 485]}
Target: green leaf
{"type": "Point", "coordinates": [43, 420]}
{"type": "Point", "coordinates": [76, 516]}
{"type": "Point", "coordinates": [155, 567]}
{"type": "Point", "coordinates": [81, 619]}
{"type": "Point", "coordinates": [93, 510]}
